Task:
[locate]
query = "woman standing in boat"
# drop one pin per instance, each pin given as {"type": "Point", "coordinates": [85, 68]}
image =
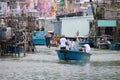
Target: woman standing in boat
{"type": "Point", "coordinates": [63, 42]}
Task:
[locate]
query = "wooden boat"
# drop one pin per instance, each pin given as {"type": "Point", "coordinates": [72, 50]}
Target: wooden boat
{"type": "Point", "coordinates": [72, 55]}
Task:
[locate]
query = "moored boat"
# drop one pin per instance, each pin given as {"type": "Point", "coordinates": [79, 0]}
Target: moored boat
{"type": "Point", "coordinates": [73, 55]}
{"type": "Point", "coordinates": [38, 38]}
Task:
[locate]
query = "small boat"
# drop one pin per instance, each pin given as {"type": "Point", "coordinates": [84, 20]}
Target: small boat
{"type": "Point", "coordinates": [72, 55]}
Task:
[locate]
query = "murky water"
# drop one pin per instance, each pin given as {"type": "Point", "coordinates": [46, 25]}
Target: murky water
{"type": "Point", "coordinates": [45, 65]}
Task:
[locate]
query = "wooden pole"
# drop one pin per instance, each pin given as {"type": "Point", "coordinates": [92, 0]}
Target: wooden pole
{"type": "Point", "coordinates": [25, 44]}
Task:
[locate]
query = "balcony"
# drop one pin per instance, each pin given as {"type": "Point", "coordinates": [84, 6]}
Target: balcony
{"type": "Point", "coordinates": [70, 15]}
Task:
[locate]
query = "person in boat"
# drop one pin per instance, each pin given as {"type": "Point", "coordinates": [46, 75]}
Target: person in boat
{"type": "Point", "coordinates": [72, 45]}
{"type": "Point", "coordinates": [86, 48]}
{"type": "Point", "coordinates": [63, 42]}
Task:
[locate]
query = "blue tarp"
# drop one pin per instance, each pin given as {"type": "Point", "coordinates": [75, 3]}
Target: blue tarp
{"type": "Point", "coordinates": [38, 37]}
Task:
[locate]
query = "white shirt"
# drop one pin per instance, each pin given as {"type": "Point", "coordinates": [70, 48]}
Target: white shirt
{"type": "Point", "coordinates": [72, 45]}
{"type": "Point", "coordinates": [63, 42]}
{"type": "Point", "coordinates": [87, 48]}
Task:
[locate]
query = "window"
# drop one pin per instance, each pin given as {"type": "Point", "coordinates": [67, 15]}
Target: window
{"type": "Point", "coordinates": [70, 1]}
{"type": "Point", "coordinates": [79, 1]}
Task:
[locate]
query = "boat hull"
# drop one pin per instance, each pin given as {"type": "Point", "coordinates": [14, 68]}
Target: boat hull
{"type": "Point", "coordinates": [72, 55]}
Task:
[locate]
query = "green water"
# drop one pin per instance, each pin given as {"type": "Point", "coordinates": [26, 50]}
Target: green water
{"type": "Point", "coordinates": [45, 65]}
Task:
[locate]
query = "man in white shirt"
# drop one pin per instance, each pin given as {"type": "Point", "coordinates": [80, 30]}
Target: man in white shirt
{"type": "Point", "coordinates": [63, 42]}
{"type": "Point", "coordinates": [47, 39]}
{"type": "Point", "coordinates": [72, 45]}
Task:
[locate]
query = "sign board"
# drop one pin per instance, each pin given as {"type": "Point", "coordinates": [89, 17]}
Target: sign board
{"type": "Point", "coordinates": [107, 23]}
